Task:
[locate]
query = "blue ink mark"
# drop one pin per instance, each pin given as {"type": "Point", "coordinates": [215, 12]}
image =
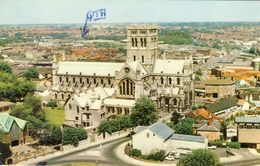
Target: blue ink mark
{"type": "Point", "coordinates": [92, 16]}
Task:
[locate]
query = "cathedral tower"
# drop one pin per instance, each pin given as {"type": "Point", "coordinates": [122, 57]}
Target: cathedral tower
{"type": "Point", "coordinates": [142, 44]}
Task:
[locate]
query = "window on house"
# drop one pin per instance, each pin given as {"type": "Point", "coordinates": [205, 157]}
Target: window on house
{"type": "Point", "coordinates": [60, 79]}
{"type": "Point", "coordinates": [95, 81]}
{"type": "Point", "coordinates": [161, 80]}
{"type": "Point", "coordinates": [215, 95]}
{"type": "Point", "coordinates": [80, 80]}
{"type": "Point", "coordinates": [62, 96]}
{"type": "Point", "coordinates": [178, 81]}
{"type": "Point", "coordinates": [73, 80]}
{"type": "Point", "coordinates": [144, 42]}
{"type": "Point", "coordinates": [70, 106]}
{"type": "Point", "coordinates": [87, 81]}
{"type": "Point", "coordinates": [67, 79]}
{"type": "Point", "coordinates": [147, 135]}
{"type": "Point", "coordinates": [142, 59]}
{"type": "Point", "coordinates": [134, 58]}
{"type": "Point", "coordinates": [170, 81]}
{"type": "Point", "coordinates": [77, 109]}
{"type": "Point", "coordinates": [77, 118]}
{"type": "Point", "coordinates": [133, 42]}
{"type": "Point", "coordinates": [109, 82]}
{"type": "Point", "coordinates": [101, 81]}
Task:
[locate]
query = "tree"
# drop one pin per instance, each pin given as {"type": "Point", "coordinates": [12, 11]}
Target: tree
{"type": "Point", "coordinates": [223, 129]}
{"type": "Point", "coordinates": [184, 126]}
{"type": "Point", "coordinates": [5, 67]}
{"type": "Point", "coordinates": [176, 116]}
{"type": "Point", "coordinates": [143, 112]}
{"type": "Point", "coordinates": [5, 151]}
{"type": "Point", "coordinates": [33, 102]}
{"type": "Point", "coordinates": [31, 73]}
{"type": "Point", "coordinates": [199, 157]}
{"type": "Point", "coordinates": [52, 135]}
{"type": "Point", "coordinates": [73, 135]}
{"type": "Point", "coordinates": [252, 50]}
{"type": "Point", "coordinates": [52, 103]}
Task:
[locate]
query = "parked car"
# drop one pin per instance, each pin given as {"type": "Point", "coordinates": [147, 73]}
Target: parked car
{"type": "Point", "coordinates": [177, 155]}
{"type": "Point", "coordinates": [169, 157]}
{"type": "Point", "coordinates": [212, 147]}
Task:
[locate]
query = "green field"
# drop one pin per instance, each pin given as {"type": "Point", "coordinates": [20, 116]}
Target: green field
{"type": "Point", "coordinates": [54, 116]}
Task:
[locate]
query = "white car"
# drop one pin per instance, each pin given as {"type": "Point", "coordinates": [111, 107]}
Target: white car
{"type": "Point", "coordinates": [169, 157]}
{"type": "Point", "coordinates": [212, 147]}
{"type": "Point", "coordinates": [177, 156]}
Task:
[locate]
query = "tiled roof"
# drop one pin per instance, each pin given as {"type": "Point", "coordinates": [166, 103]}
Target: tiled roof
{"type": "Point", "coordinates": [190, 138]}
{"type": "Point", "coordinates": [247, 119]}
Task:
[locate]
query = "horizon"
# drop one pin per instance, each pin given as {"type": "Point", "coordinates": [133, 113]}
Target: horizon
{"type": "Point", "coordinates": [74, 12]}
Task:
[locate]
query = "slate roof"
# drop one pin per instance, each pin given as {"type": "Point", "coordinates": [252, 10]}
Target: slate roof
{"type": "Point", "coordinates": [207, 127]}
{"type": "Point", "coordinates": [247, 119]}
{"type": "Point", "coordinates": [160, 129]}
{"type": "Point", "coordinates": [190, 138]}
{"type": "Point", "coordinates": [7, 120]}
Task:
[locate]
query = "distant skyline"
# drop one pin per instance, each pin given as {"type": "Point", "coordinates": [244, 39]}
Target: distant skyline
{"type": "Point", "coordinates": [121, 11]}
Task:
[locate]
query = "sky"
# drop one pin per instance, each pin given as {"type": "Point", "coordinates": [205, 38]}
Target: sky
{"type": "Point", "coordinates": [121, 11]}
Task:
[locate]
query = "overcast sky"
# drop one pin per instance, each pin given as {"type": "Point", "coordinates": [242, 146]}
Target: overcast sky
{"type": "Point", "coordinates": [74, 11]}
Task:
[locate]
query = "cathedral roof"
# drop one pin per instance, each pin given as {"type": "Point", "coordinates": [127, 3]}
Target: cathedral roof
{"type": "Point", "coordinates": [170, 66]}
{"type": "Point", "coordinates": [89, 68]}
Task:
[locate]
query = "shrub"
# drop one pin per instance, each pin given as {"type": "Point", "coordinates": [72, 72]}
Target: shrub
{"type": "Point", "coordinates": [156, 155]}
{"type": "Point", "coordinates": [235, 145]}
{"type": "Point", "coordinates": [217, 143]}
{"type": "Point", "coordinates": [52, 103]}
{"type": "Point", "coordinates": [73, 135]}
{"type": "Point", "coordinates": [136, 152]}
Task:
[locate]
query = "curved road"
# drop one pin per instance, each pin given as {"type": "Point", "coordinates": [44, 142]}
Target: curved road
{"type": "Point", "coordinates": [103, 155]}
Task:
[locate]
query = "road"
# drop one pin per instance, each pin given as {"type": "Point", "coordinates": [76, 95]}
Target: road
{"type": "Point", "coordinates": [103, 155]}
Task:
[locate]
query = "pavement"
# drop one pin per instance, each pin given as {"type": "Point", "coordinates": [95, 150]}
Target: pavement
{"type": "Point", "coordinates": [70, 151]}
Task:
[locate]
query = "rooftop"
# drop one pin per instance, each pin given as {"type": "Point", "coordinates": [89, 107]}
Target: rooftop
{"type": "Point", "coordinates": [191, 138]}
{"type": "Point", "coordinates": [247, 119]}
{"type": "Point", "coordinates": [217, 82]}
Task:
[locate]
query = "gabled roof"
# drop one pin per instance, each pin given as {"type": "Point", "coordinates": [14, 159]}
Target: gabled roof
{"type": "Point", "coordinates": [137, 66]}
{"type": "Point", "coordinates": [207, 127]}
{"type": "Point", "coordinates": [6, 122]}
{"type": "Point", "coordinates": [169, 66]}
{"type": "Point", "coordinates": [190, 138]}
{"type": "Point", "coordinates": [160, 129]}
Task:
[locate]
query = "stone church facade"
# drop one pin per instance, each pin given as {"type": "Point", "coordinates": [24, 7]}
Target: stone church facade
{"type": "Point", "coordinates": [168, 82]}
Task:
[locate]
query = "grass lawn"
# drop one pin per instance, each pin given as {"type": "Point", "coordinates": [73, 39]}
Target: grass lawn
{"type": "Point", "coordinates": [54, 116]}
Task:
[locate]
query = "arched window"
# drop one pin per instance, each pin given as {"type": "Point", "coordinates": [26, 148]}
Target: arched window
{"type": "Point", "coordinates": [87, 81]}
{"type": "Point", "coordinates": [126, 87]}
{"type": "Point", "coordinates": [60, 79]}
{"type": "Point", "coordinates": [101, 81]}
{"type": "Point", "coordinates": [56, 96]}
{"type": "Point", "coordinates": [161, 80]}
{"type": "Point", "coordinates": [62, 96]}
{"type": "Point", "coordinates": [109, 82]}
{"type": "Point", "coordinates": [142, 59]}
{"type": "Point", "coordinates": [134, 58]}
{"type": "Point", "coordinates": [153, 79]}
{"type": "Point", "coordinates": [174, 101]}
{"type": "Point", "coordinates": [70, 106]}
{"type": "Point", "coordinates": [77, 109]}
{"type": "Point", "coordinates": [95, 81]}
{"type": "Point", "coordinates": [73, 80]}
{"type": "Point", "coordinates": [67, 79]}
{"type": "Point", "coordinates": [133, 42]}
{"type": "Point", "coordinates": [170, 80]}
{"type": "Point", "coordinates": [144, 42]}
{"type": "Point", "coordinates": [178, 81]}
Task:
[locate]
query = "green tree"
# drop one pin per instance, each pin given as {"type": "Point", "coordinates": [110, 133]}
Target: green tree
{"type": "Point", "coordinates": [184, 126]}
{"type": "Point", "coordinates": [31, 73]}
{"type": "Point", "coordinates": [5, 67]}
{"type": "Point", "coordinates": [176, 116]}
{"type": "Point", "coordinates": [199, 157]}
{"type": "Point", "coordinates": [252, 50]}
{"type": "Point", "coordinates": [73, 135]}
{"type": "Point", "coordinates": [143, 112]}
{"type": "Point", "coordinates": [223, 129]}
{"type": "Point", "coordinates": [51, 135]}
{"type": "Point", "coordinates": [33, 102]}
{"type": "Point", "coordinates": [5, 151]}
{"type": "Point", "coordinates": [52, 103]}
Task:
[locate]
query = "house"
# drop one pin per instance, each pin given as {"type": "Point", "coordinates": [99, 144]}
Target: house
{"type": "Point", "coordinates": [159, 136]}
{"type": "Point", "coordinates": [231, 132]}
{"type": "Point", "coordinates": [203, 114]}
{"type": "Point", "coordinates": [248, 131]}
{"type": "Point", "coordinates": [5, 106]}
{"type": "Point", "coordinates": [222, 106]}
{"type": "Point", "coordinates": [209, 130]}
{"type": "Point", "coordinates": [15, 129]}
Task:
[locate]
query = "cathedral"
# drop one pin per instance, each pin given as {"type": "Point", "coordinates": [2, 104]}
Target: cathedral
{"type": "Point", "coordinates": [94, 91]}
